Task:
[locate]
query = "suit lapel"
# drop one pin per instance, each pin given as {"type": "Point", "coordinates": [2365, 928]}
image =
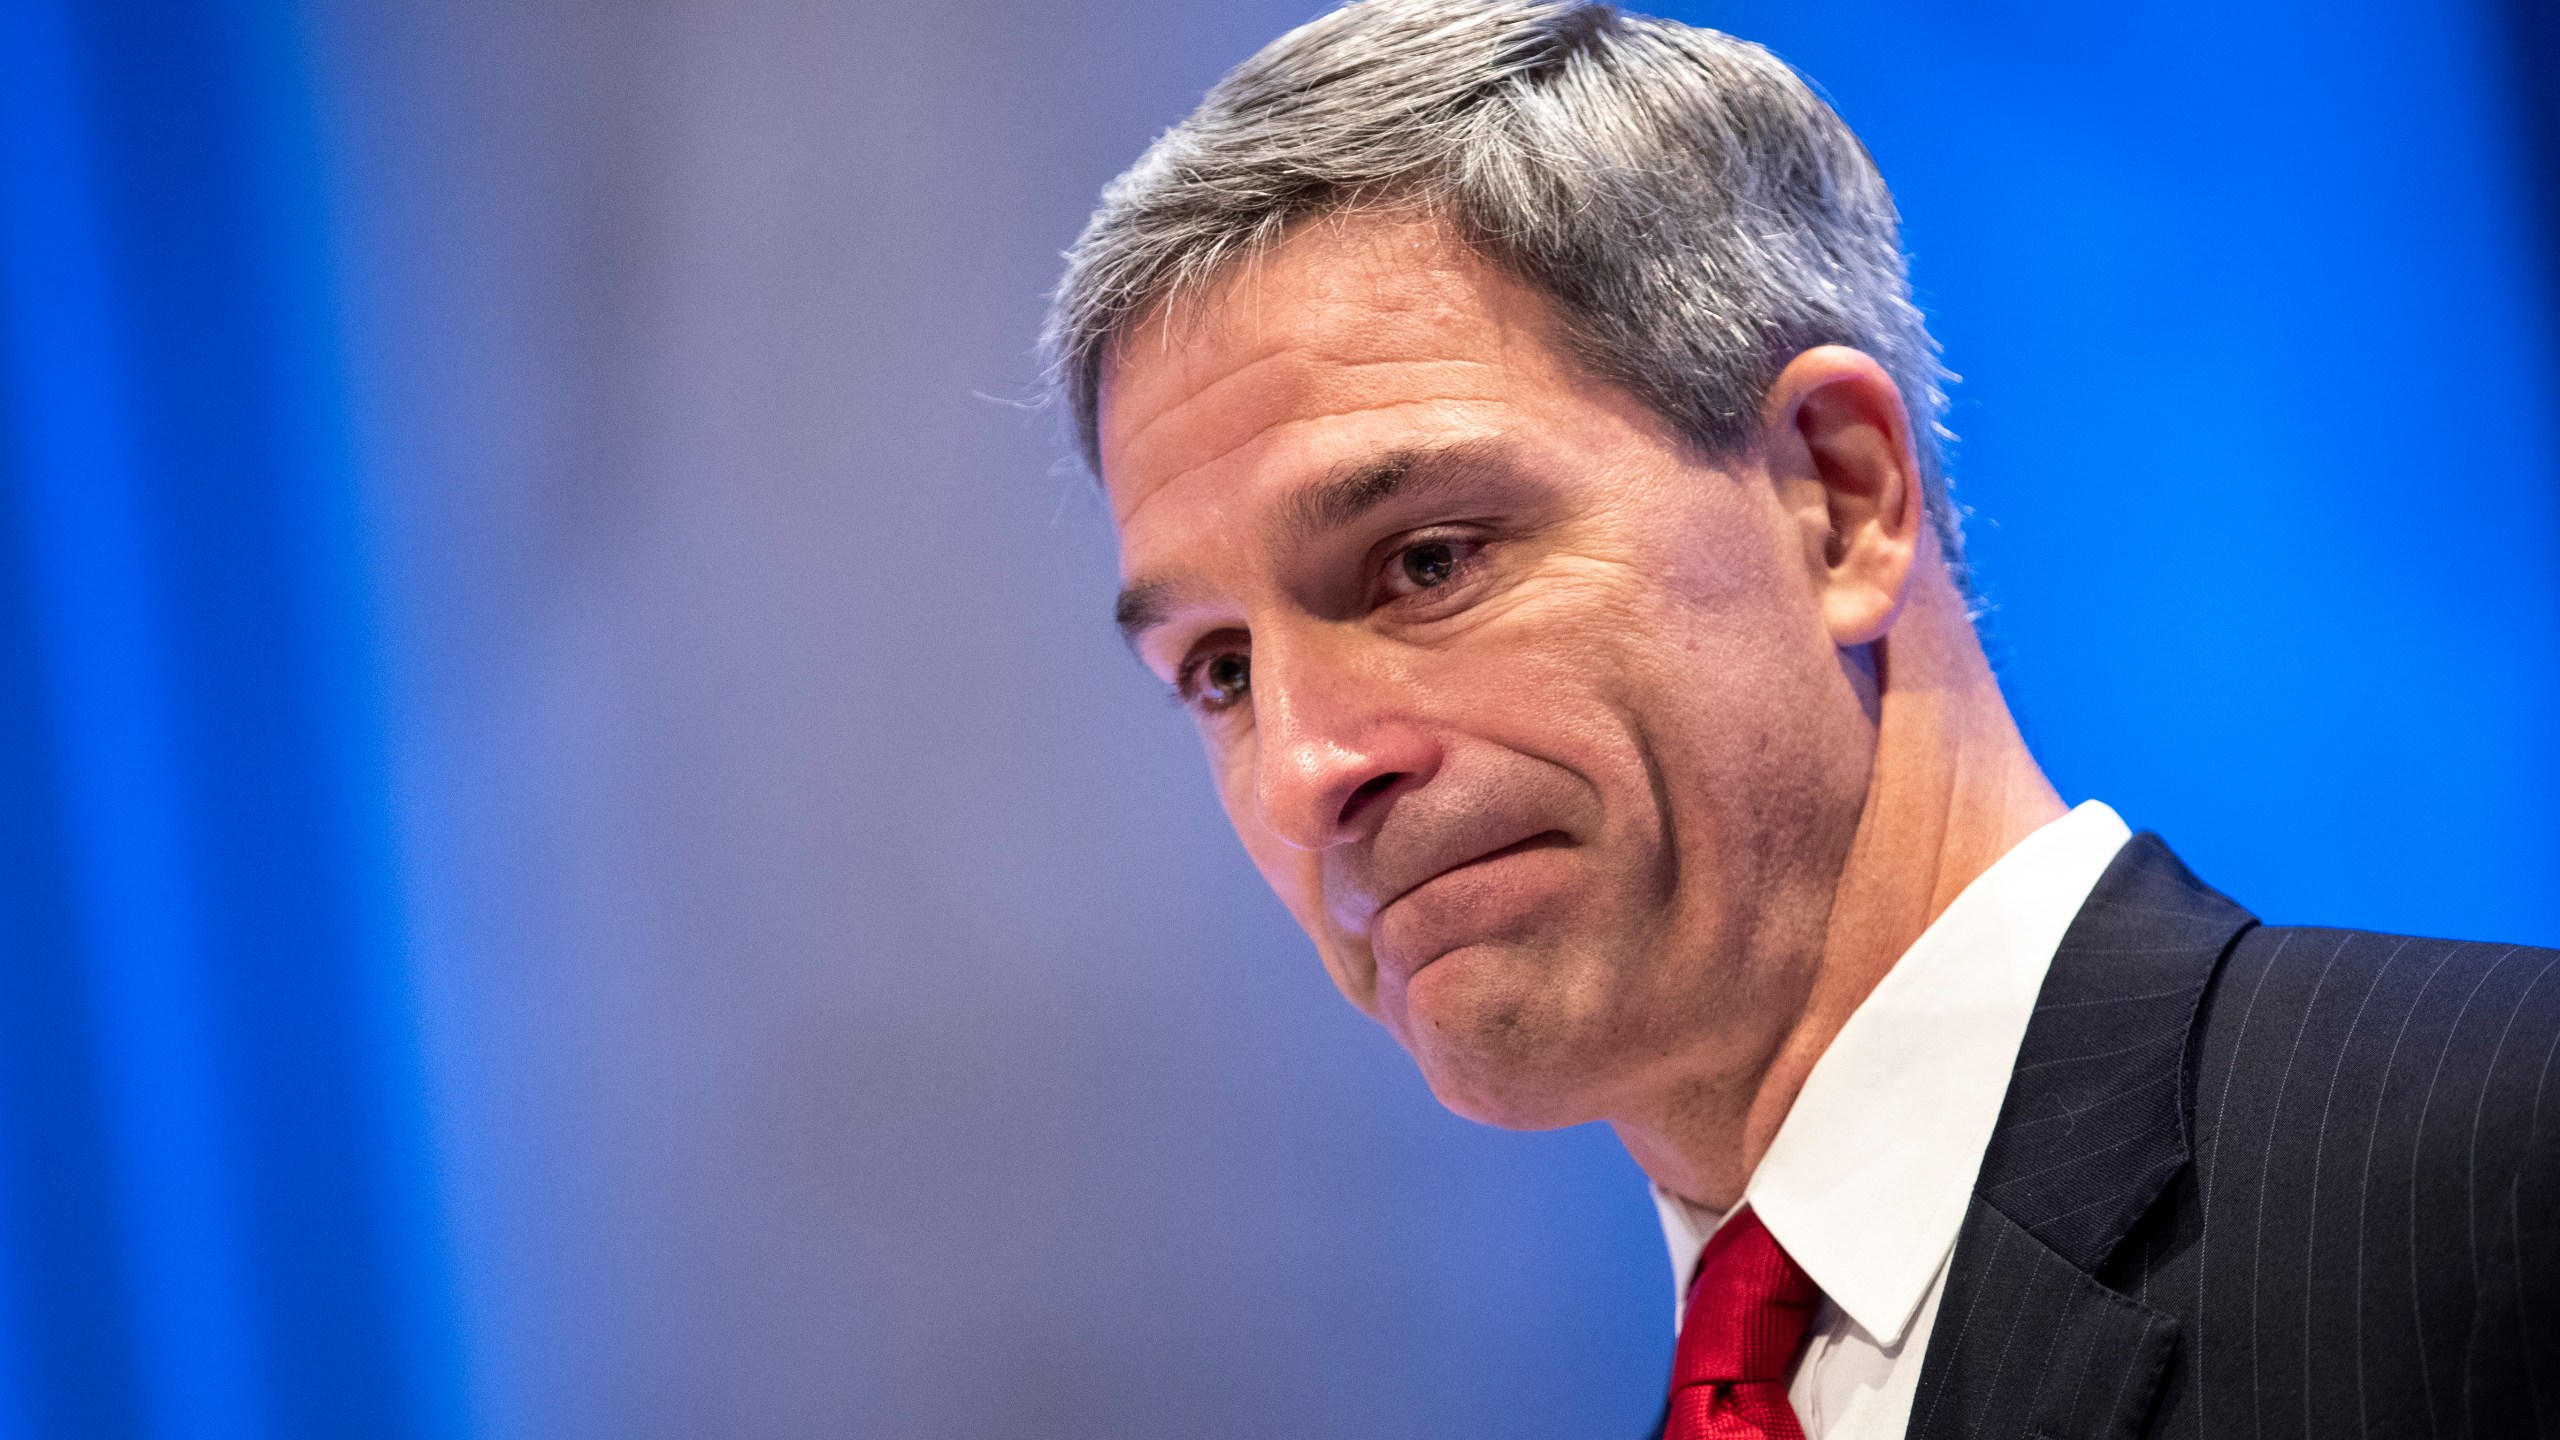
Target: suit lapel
{"type": "Point", "coordinates": [2027, 1343]}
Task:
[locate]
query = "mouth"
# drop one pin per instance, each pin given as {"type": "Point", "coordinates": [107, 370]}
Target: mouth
{"type": "Point", "coordinates": [1543, 840]}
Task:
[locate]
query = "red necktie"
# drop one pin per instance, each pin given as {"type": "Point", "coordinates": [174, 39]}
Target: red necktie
{"type": "Point", "coordinates": [1748, 1311]}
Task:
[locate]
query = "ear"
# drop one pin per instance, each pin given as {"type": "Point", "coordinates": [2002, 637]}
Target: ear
{"type": "Point", "coordinates": [1838, 444]}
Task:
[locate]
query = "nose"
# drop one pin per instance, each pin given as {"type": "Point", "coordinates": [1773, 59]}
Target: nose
{"type": "Point", "coordinates": [1334, 746]}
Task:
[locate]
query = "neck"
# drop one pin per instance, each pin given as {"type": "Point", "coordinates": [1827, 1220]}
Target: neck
{"type": "Point", "coordinates": [1952, 790]}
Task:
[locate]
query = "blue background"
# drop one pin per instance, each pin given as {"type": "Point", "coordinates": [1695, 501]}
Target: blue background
{"type": "Point", "coordinates": [578, 858]}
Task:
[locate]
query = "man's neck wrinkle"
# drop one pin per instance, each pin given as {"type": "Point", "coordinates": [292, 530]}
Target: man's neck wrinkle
{"type": "Point", "coordinates": [1952, 789]}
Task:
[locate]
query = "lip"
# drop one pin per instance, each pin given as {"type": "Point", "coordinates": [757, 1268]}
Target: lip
{"type": "Point", "coordinates": [1542, 840]}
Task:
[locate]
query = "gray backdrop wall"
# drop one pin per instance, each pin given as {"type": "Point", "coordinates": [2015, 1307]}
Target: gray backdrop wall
{"type": "Point", "coordinates": [847, 1013]}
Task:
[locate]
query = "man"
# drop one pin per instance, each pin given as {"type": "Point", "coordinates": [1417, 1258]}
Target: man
{"type": "Point", "coordinates": [1525, 459]}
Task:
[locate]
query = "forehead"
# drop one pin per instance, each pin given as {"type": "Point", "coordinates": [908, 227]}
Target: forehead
{"type": "Point", "coordinates": [1354, 336]}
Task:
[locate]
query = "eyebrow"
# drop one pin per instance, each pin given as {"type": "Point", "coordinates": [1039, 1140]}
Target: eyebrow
{"type": "Point", "coordinates": [1323, 508]}
{"type": "Point", "coordinates": [1141, 608]}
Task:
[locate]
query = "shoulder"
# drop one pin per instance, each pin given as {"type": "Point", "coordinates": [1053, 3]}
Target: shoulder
{"type": "Point", "coordinates": [2432, 1053]}
{"type": "Point", "coordinates": [2376, 1160]}
{"type": "Point", "coordinates": [2361, 999]}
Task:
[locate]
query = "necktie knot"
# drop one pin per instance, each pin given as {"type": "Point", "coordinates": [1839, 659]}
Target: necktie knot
{"type": "Point", "coordinates": [1748, 1312]}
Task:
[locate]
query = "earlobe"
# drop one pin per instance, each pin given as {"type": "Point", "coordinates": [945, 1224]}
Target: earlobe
{"type": "Point", "coordinates": [1839, 418]}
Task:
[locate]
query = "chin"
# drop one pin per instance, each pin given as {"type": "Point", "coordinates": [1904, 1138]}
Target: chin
{"type": "Point", "coordinates": [1501, 1041]}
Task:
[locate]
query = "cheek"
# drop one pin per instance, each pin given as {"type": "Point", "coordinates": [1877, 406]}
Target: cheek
{"type": "Point", "coordinates": [1708, 714]}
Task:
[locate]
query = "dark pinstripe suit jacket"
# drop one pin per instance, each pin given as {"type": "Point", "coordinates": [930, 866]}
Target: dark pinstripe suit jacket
{"type": "Point", "coordinates": [2273, 1184]}
{"type": "Point", "coordinates": [2262, 1183]}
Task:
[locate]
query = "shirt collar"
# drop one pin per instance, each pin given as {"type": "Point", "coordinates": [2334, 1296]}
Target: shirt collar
{"type": "Point", "coordinates": [1867, 1182]}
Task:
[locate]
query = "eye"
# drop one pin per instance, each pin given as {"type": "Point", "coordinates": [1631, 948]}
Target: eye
{"type": "Point", "coordinates": [1429, 563]}
{"type": "Point", "coordinates": [1217, 681]}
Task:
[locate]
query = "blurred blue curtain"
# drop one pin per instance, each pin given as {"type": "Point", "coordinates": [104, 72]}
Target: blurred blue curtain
{"type": "Point", "coordinates": [215, 1215]}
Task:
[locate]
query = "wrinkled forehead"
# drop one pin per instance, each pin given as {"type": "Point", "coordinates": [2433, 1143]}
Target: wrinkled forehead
{"type": "Point", "coordinates": [1353, 334]}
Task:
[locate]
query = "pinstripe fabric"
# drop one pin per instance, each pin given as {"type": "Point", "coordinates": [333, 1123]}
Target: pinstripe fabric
{"type": "Point", "coordinates": [2263, 1182]}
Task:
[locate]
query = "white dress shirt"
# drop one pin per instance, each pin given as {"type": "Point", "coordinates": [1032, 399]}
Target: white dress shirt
{"type": "Point", "coordinates": [1867, 1182]}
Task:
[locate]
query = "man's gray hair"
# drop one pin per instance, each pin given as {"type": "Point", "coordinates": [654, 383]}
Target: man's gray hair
{"type": "Point", "coordinates": [1696, 213]}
